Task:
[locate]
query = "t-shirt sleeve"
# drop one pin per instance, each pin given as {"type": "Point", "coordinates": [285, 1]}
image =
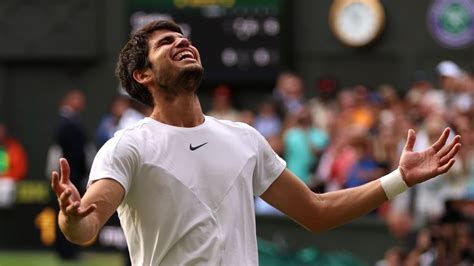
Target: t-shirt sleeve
{"type": "Point", "coordinates": [117, 159]}
{"type": "Point", "coordinates": [269, 165]}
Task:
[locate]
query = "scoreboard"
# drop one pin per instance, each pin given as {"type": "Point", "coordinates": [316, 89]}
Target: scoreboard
{"type": "Point", "coordinates": [238, 39]}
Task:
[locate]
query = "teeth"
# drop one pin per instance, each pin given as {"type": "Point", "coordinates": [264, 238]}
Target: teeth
{"type": "Point", "coordinates": [181, 55]}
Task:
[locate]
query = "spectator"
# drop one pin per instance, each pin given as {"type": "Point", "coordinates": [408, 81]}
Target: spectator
{"type": "Point", "coordinates": [288, 94]}
{"type": "Point", "coordinates": [365, 169]}
{"type": "Point", "coordinates": [423, 99]}
{"type": "Point", "coordinates": [222, 107]}
{"type": "Point", "coordinates": [71, 135]}
{"type": "Point", "coordinates": [248, 117]}
{"type": "Point", "coordinates": [71, 138]}
{"type": "Point", "coordinates": [462, 125]}
{"type": "Point", "coordinates": [385, 136]}
{"type": "Point", "coordinates": [447, 241]}
{"type": "Point", "coordinates": [109, 123]}
{"type": "Point", "coordinates": [13, 159]}
{"type": "Point", "coordinates": [362, 113]}
{"type": "Point", "coordinates": [393, 257]}
{"type": "Point", "coordinates": [268, 123]}
{"type": "Point", "coordinates": [322, 106]}
{"type": "Point", "coordinates": [13, 166]}
{"type": "Point", "coordinates": [338, 158]}
{"type": "Point", "coordinates": [344, 110]}
{"type": "Point", "coordinates": [451, 78]}
{"type": "Point", "coordinates": [303, 145]}
{"type": "Point", "coordinates": [135, 112]}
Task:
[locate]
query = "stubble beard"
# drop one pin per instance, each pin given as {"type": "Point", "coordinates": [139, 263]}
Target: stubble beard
{"type": "Point", "coordinates": [184, 82]}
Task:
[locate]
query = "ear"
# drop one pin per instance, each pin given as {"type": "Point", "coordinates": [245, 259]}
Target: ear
{"type": "Point", "coordinates": [143, 76]}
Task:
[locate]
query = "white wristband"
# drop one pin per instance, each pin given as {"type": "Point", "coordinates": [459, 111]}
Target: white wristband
{"type": "Point", "coordinates": [393, 184]}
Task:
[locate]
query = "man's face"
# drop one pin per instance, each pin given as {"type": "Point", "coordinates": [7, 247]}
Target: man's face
{"type": "Point", "coordinates": [176, 64]}
{"type": "Point", "coordinates": [78, 101]}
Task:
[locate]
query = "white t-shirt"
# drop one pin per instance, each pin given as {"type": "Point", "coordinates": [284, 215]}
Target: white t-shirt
{"type": "Point", "coordinates": [189, 191]}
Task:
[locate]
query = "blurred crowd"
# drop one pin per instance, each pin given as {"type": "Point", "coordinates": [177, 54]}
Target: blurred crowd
{"type": "Point", "coordinates": [345, 137]}
{"type": "Point", "coordinates": [339, 138]}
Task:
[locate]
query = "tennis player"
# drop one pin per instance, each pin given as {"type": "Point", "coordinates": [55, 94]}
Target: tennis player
{"type": "Point", "coordinates": [184, 183]}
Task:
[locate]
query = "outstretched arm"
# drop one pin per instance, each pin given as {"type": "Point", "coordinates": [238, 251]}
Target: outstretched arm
{"type": "Point", "coordinates": [81, 218]}
{"type": "Point", "coordinates": [319, 212]}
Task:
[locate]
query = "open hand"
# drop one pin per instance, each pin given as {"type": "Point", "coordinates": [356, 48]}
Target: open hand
{"type": "Point", "coordinates": [68, 195]}
{"type": "Point", "coordinates": [417, 167]}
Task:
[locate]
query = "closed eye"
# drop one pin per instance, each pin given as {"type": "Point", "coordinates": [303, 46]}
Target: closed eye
{"type": "Point", "coordinates": [164, 41]}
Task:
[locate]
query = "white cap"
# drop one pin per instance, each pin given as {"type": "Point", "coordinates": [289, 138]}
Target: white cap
{"type": "Point", "coordinates": [449, 69]}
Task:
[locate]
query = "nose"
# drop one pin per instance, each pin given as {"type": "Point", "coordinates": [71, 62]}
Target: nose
{"type": "Point", "coordinates": [183, 42]}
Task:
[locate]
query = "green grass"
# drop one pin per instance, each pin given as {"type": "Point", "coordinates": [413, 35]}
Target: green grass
{"type": "Point", "coordinates": [20, 258]}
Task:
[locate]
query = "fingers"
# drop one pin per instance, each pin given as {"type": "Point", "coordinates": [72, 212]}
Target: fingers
{"type": "Point", "coordinates": [442, 140]}
{"type": "Point", "coordinates": [443, 169]}
{"type": "Point", "coordinates": [65, 171]}
{"type": "Point", "coordinates": [55, 181]}
{"type": "Point", "coordinates": [72, 208]}
{"type": "Point", "coordinates": [81, 212]}
{"type": "Point", "coordinates": [64, 199]}
{"type": "Point", "coordinates": [78, 212]}
{"type": "Point", "coordinates": [451, 152]}
{"type": "Point", "coordinates": [410, 140]}
{"type": "Point", "coordinates": [447, 148]}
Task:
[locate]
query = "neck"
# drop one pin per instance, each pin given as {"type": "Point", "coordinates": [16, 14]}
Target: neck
{"type": "Point", "coordinates": [184, 110]}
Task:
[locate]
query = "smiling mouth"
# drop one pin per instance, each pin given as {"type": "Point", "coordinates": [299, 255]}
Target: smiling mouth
{"type": "Point", "coordinates": [184, 55]}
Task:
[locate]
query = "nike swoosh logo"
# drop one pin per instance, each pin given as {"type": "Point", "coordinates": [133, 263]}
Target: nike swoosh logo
{"type": "Point", "coordinates": [197, 147]}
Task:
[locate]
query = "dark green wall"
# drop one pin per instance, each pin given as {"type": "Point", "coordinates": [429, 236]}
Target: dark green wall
{"type": "Point", "coordinates": [366, 238]}
{"type": "Point", "coordinates": [48, 47]}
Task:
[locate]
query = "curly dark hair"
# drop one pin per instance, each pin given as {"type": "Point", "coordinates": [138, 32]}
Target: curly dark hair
{"type": "Point", "coordinates": [134, 56]}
